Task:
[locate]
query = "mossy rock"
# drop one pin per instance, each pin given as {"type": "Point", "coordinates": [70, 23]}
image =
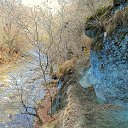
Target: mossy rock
{"type": "Point", "coordinates": [95, 24]}
{"type": "Point", "coordinates": [103, 18]}
{"type": "Point", "coordinates": [100, 13]}
{"type": "Point", "coordinates": [105, 21]}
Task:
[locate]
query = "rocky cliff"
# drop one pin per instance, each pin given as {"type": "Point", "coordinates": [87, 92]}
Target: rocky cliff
{"type": "Point", "coordinates": [108, 28]}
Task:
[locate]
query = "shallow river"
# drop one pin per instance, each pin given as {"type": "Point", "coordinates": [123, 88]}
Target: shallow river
{"type": "Point", "coordinates": [25, 76]}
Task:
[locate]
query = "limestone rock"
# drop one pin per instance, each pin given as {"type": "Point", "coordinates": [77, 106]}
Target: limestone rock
{"type": "Point", "coordinates": [109, 54]}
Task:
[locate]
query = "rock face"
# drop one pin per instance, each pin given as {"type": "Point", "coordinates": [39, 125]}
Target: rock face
{"type": "Point", "coordinates": [109, 53]}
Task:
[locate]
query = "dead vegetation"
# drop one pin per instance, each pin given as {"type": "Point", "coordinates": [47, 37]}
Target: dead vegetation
{"type": "Point", "coordinates": [8, 55]}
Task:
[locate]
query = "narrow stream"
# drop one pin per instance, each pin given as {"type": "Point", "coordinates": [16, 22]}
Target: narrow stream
{"type": "Point", "coordinates": [27, 77]}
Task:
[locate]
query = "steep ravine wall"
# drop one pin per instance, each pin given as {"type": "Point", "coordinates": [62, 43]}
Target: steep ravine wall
{"type": "Point", "coordinates": [109, 52]}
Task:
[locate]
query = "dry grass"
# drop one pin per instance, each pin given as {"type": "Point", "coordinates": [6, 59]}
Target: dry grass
{"type": "Point", "coordinates": [66, 68]}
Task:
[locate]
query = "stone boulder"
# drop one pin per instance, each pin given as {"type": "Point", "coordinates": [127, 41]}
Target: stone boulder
{"type": "Point", "coordinates": [109, 53]}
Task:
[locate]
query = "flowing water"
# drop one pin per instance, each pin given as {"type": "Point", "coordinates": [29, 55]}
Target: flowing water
{"type": "Point", "coordinates": [24, 76]}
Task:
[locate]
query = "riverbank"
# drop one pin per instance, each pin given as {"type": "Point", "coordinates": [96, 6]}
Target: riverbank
{"type": "Point", "coordinates": [14, 76]}
{"type": "Point", "coordinates": [68, 72]}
